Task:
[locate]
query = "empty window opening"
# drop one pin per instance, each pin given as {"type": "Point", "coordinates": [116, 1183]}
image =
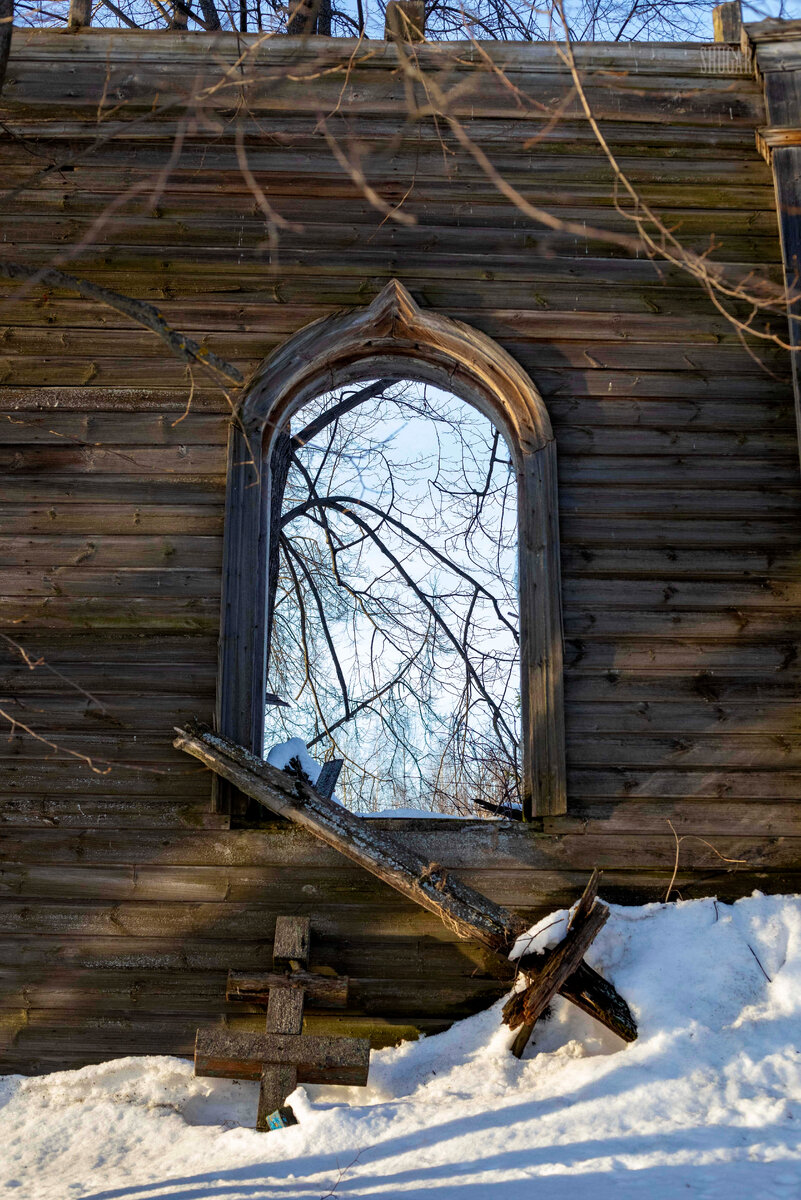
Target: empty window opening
{"type": "Point", "coordinates": [394, 631]}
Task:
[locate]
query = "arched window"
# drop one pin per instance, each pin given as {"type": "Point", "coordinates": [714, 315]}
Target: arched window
{"type": "Point", "coordinates": [393, 338]}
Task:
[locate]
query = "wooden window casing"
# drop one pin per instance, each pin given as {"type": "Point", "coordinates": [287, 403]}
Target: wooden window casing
{"type": "Point", "coordinates": [393, 337]}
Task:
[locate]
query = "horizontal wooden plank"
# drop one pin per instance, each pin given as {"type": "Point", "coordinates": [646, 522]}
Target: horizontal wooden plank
{"type": "Point", "coordinates": [103, 674]}
{"type": "Point", "coordinates": [671, 704]}
{"type": "Point", "coordinates": [707, 529]}
{"type": "Point", "coordinates": [34, 419]}
{"type": "Point", "coordinates": [252, 312]}
{"type": "Point", "coordinates": [667, 502]}
{"type": "Point", "coordinates": [699, 658]}
{"type": "Point", "coordinates": [94, 428]}
{"type": "Point", "coordinates": [148, 520]}
{"type": "Point", "coordinates": [695, 626]}
{"type": "Point", "coordinates": [70, 615]}
{"type": "Point", "coordinates": [457, 845]}
{"type": "Point", "coordinates": [712, 687]}
{"type": "Point", "coordinates": [708, 749]}
{"type": "Point", "coordinates": [172, 490]}
{"type": "Point", "coordinates": [651, 58]}
{"type": "Point", "coordinates": [120, 647]}
{"type": "Point", "coordinates": [38, 1043]}
{"type": "Point", "coordinates": [59, 549]}
{"type": "Point", "coordinates": [204, 522]}
{"type": "Point", "coordinates": [323, 279]}
{"type": "Point", "coordinates": [167, 780]}
{"type": "Point", "coordinates": [56, 715]}
{"type": "Point", "coordinates": [709, 818]}
{"type": "Point", "coordinates": [190, 460]}
{"type": "Point", "coordinates": [769, 466]}
{"type": "Point", "coordinates": [362, 86]}
{"type": "Point", "coordinates": [200, 993]}
{"type": "Point", "coordinates": [752, 751]}
{"type": "Point", "coordinates": [615, 498]}
{"type": "Point", "coordinates": [696, 716]}
{"type": "Point", "coordinates": [67, 557]}
{"type": "Point", "coordinates": [247, 233]}
{"type": "Point", "coordinates": [345, 885]}
{"type": "Point", "coordinates": [757, 593]}
{"type": "Point", "coordinates": [168, 919]}
{"type": "Point", "coordinates": [399, 959]}
{"type": "Point", "coordinates": [127, 749]}
{"type": "Point", "coordinates": [92, 582]}
{"type": "Point", "coordinates": [568, 136]}
{"type": "Point", "coordinates": [676, 563]}
{"type": "Point", "coordinates": [109, 812]}
{"type": "Point", "coordinates": [47, 371]}
{"type": "Point", "coordinates": [668, 592]}
{"type": "Point", "coordinates": [581, 423]}
{"type": "Point", "coordinates": [544, 353]}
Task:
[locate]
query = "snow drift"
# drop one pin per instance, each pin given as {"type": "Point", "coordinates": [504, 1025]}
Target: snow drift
{"type": "Point", "coordinates": [707, 1103]}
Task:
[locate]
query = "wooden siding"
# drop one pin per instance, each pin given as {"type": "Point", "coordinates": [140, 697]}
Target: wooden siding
{"type": "Point", "coordinates": [125, 898]}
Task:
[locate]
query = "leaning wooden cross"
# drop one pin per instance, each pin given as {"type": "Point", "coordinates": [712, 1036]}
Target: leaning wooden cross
{"type": "Point", "coordinates": [283, 1057]}
{"type": "Point", "coordinates": [464, 910]}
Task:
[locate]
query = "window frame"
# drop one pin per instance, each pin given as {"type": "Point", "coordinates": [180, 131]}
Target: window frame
{"type": "Point", "coordinates": [393, 336]}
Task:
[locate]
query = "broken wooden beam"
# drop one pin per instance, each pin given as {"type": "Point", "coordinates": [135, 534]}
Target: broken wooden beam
{"type": "Point", "coordinates": [464, 910]}
{"type": "Point", "coordinates": [594, 995]}
{"type": "Point", "coordinates": [549, 971]}
{"type": "Point", "coordinates": [556, 966]}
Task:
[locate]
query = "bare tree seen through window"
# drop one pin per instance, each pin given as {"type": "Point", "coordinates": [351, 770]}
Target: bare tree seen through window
{"type": "Point", "coordinates": [395, 629]}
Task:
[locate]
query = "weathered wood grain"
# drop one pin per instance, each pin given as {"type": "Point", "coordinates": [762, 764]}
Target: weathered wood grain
{"type": "Point", "coordinates": [464, 911]}
{"type": "Point", "coordinates": [678, 493]}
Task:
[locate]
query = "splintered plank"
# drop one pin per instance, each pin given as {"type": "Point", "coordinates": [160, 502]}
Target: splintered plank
{"type": "Point", "coordinates": [465, 911]}
{"type": "Point", "coordinates": [548, 972]}
{"type": "Point", "coordinates": [561, 969]}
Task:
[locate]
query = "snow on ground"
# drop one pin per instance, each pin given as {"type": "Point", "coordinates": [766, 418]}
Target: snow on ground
{"type": "Point", "coordinates": [706, 1104]}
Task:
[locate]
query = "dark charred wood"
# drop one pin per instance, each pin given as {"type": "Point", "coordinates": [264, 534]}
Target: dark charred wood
{"type": "Point", "coordinates": [595, 995]}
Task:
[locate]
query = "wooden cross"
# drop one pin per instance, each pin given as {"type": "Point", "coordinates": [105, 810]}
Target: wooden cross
{"type": "Point", "coordinates": [283, 1057]}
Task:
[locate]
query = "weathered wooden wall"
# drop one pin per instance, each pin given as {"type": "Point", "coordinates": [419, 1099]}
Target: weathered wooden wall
{"type": "Point", "coordinates": [124, 897]}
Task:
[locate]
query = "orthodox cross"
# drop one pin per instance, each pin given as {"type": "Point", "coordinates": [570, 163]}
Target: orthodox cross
{"type": "Point", "coordinates": [282, 1056]}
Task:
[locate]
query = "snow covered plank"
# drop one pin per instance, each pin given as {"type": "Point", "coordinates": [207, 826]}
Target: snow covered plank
{"type": "Point", "coordinates": [523, 1008]}
{"type": "Point", "coordinates": [548, 972]}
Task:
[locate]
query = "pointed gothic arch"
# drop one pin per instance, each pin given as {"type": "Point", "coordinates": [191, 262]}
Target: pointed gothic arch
{"type": "Point", "coordinates": [393, 336]}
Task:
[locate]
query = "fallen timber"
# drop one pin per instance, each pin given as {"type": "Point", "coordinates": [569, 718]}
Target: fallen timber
{"type": "Point", "coordinates": [468, 913]}
{"type": "Point", "coordinates": [549, 971]}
